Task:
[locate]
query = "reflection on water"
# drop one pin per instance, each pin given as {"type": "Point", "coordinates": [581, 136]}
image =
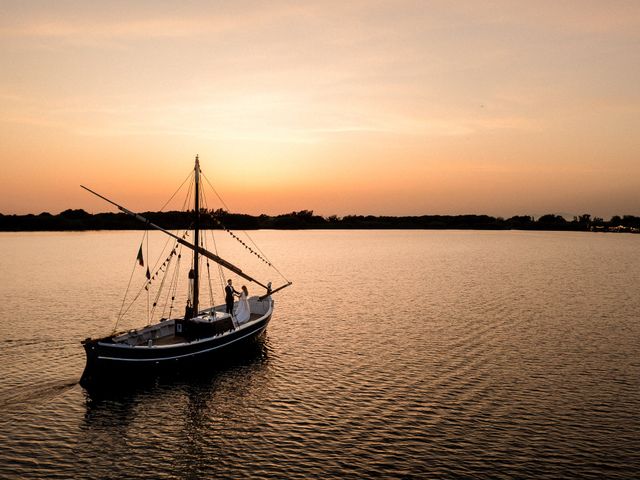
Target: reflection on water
{"type": "Point", "coordinates": [178, 410]}
{"type": "Point", "coordinates": [394, 355]}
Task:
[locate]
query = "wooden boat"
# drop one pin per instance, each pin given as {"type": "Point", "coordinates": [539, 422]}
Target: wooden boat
{"type": "Point", "coordinates": [195, 337]}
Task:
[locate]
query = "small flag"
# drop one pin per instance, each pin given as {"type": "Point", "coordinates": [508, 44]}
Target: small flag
{"type": "Point", "coordinates": [139, 258]}
{"type": "Point", "coordinates": [148, 274]}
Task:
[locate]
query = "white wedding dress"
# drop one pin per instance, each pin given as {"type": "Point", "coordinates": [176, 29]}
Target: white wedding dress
{"type": "Point", "coordinates": [242, 310]}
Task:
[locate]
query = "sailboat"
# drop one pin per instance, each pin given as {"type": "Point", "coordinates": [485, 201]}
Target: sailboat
{"type": "Point", "coordinates": [193, 337]}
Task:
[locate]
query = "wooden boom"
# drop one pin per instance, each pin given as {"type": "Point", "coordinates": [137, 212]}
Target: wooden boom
{"type": "Point", "coordinates": [200, 250]}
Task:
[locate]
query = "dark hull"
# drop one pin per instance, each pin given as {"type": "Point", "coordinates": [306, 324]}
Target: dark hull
{"type": "Point", "coordinates": [107, 359]}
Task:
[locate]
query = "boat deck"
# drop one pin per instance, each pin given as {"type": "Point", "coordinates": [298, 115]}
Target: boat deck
{"type": "Point", "coordinates": [173, 339]}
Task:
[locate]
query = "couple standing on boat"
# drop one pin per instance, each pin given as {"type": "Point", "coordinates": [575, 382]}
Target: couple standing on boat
{"type": "Point", "coordinates": [243, 313]}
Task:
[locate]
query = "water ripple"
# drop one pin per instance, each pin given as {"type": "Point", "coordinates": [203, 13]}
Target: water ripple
{"type": "Point", "coordinates": [395, 355]}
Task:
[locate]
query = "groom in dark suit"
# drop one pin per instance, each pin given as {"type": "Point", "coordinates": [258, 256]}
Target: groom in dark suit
{"type": "Point", "coordinates": [229, 291]}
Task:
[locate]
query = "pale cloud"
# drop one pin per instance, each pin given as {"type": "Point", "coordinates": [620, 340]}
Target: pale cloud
{"type": "Point", "coordinates": [617, 17]}
{"type": "Point", "coordinates": [134, 25]}
{"type": "Point", "coordinates": [496, 81]}
{"type": "Point", "coordinates": [277, 117]}
{"type": "Point", "coordinates": [146, 28]}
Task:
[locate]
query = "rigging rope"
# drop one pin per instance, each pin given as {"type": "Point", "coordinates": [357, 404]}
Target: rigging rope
{"type": "Point", "coordinates": [145, 286]}
{"type": "Point", "coordinates": [124, 298]}
{"type": "Point", "coordinates": [174, 193]}
{"type": "Point", "coordinates": [203, 242]}
{"type": "Point", "coordinates": [155, 274]}
{"type": "Point", "coordinates": [165, 269]}
{"type": "Point", "coordinates": [176, 250]}
{"type": "Point", "coordinates": [174, 281]}
{"type": "Point", "coordinates": [259, 253]}
{"type": "Point", "coordinates": [148, 317]}
{"type": "Point", "coordinates": [145, 236]}
{"type": "Point", "coordinates": [171, 282]}
{"type": "Point", "coordinates": [204, 237]}
{"type": "Point", "coordinates": [220, 271]}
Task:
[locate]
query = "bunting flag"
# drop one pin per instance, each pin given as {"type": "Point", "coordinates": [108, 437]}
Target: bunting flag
{"type": "Point", "coordinates": [218, 222]}
{"type": "Point", "coordinates": [139, 258]}
{"type": "Point", "coordinates": [148, 274]}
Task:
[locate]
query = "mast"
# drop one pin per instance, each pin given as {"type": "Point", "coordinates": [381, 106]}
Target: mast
{"type": "Point", "coordinates": [196, 240]}
{"type": "Point", "coordinates": [201, 251]}
{"type": "Point", "coordinates": [196, 248]}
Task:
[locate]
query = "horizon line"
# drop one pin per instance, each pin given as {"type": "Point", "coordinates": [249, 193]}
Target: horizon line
{"type": "Point", "coordinates": [565, 215]}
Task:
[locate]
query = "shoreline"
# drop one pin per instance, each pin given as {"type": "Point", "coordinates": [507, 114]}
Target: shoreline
{"type": "Point", "coordinates": [79, 220]}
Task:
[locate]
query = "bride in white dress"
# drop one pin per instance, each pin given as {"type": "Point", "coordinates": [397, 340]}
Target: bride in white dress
{"type": "Point", "coordinates": [243, 313]}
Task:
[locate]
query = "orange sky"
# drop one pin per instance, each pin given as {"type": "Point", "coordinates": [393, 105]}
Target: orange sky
{"type": "Point", "coordinates": [368, 107]}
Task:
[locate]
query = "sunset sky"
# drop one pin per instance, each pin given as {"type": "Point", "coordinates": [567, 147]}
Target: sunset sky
{"type": "Point", "coordinates": [368, 107]}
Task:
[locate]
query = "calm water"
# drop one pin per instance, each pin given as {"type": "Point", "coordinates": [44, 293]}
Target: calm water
{"type": "Point", "coordinates": [395, 354]}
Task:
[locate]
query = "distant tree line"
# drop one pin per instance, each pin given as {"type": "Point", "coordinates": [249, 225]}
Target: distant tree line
{"type": "Point", "coordinates": [305, 219]}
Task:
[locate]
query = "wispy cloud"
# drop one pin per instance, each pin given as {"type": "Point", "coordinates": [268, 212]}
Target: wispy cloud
{"type": "Point", "coordinates": [508, 79]}
{"type": "Point", "coordinates": [162, 23]}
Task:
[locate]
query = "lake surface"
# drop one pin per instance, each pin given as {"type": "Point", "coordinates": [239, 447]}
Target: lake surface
{"type": "Point", "coordinates": [395, 354]}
